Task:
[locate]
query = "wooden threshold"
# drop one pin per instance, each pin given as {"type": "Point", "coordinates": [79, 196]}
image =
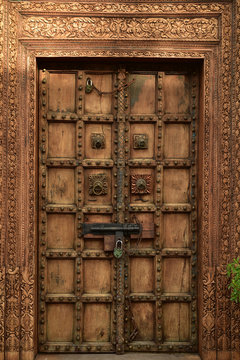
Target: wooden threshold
{"type": "Point", "coordinates": [128, 356]}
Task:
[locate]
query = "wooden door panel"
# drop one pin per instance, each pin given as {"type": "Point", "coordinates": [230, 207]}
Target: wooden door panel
{"type": "Point", "coordinates": [148, 231]}
{"type": "Point", "coordinates": [95, 104]}
{"type": "Point", "coordinates": [176, 94]}
{"type": "Point", "coordinates": [142, 94]}
{"type": "Point", "coordinates": [98, 187]}
{"type": "Point", "coordinates": [176, 141]}
{"type": "Point", "coordinates": [142, 146]}
{"type": "Point", "coordinates": [176, 230]}
{"type": "Point", "coordinates": [176, 186]}
{"type": "Point", "coordinates": [60, 276]}
{"type": "Point", "coordinates": [97, 276]}
{"type": "Point", "coordinates": [142, 275]}
{"type": "Point", "coordinates": [61, 186]}
{"type": "Point", "coordinates": [144, 313]}
{"type": "Point", "coordinates": [176, 322]}
{"type": "Point", "coordinates": [176, 275]}
{"type": "Point", "coordinates": [60, 323]}
{"type": "Point", "coordinates": [61, 92]}
{"type": "Point", "coordinates": [61, 231]}
{"type": "Point", "coordinates": [96, 319]}
{"type": "Point", "coordinates": [117, 147]}
{"type": "Point", "coordinates": [98, 141]}
{"type": "Point", "coordinates": [62, 140]}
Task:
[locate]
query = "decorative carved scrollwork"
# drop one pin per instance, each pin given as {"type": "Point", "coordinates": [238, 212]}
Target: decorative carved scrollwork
{"type": "Point", "coordinates": [148, 28]}
{"type": "Point", "coordinates": [140, 141]}
{"type": "Point", "coordinates": [98, 185]}
{"type": "Point", "coordinates": [97, 141]}
{"type": "Point", "coordinates": [141, 184]}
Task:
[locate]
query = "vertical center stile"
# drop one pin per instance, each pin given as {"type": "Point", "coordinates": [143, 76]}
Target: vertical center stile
{"type": "Point", "coordinates": [120, 207]}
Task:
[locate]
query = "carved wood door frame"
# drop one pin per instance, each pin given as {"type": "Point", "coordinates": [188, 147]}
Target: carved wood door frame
{"type": "Point", "coordinates": [36, 30]}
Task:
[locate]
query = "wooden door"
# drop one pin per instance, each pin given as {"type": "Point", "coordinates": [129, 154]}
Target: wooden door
{"type": "Point", "coordinates": [117, 146]}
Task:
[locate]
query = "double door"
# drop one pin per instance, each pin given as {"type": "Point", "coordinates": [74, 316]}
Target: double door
{"type": "Point", "coordinates": [117, 146]}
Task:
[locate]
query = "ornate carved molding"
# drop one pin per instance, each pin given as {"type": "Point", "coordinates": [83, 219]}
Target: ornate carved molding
{"type": "Point", "coordinates": [133, 28]}
{"type": "Point", "coordinates": [118, 8]}
{"type": "Point", "coordinates": [12, 311]}
{"type": "Point", "coordinates": [27, 312]}
{"type": "Point", "coordinates": [129, 52]}
{"type": "Point", "coordinates": [209, 315]}
{"type": "Point", "coordinates": [235, 311]}
{"type": "Point", "coordinates": [223, 321]}
{"type": "Point", "coordinates": [208, 280]}
{"type": "Point", "coordinates": [223, 328]}
{"type": "Point", "coordinates": [2, 309]}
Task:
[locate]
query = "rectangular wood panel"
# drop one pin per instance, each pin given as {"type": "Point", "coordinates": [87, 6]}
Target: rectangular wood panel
{"type": "Point", "coordinates": [142, 275]}
{"type": "Point", "coordinates": [61, 185]}
{"type": "Point", "coordinates": [60, 322]}
{"type": "Point", "coordinates": [62, 140]}
{"type": "Point", "coordinates": [176, 230]}
{"type": "Point", "coordinates": [176, 322]}
{"type": "Point", "coordinates": [61, 276]}
{"type": "Point", "coordinates": [62, 92]}
{"type": "Point", "coordinates": [144, 317]}
{"type": "Point", "coordinates": [60, 231]}
{"type": "Point", "coordinates": [96, 321]}
{"type": "Point", "coordinates": [97, 276]}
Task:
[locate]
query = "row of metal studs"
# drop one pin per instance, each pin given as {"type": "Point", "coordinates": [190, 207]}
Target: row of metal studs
{"type": "Point", "coordinates": [194, 213]}
{"type": "Point", "coordinates": [157, 220]}
{"type": "Point", "coordinates": [42, 203]}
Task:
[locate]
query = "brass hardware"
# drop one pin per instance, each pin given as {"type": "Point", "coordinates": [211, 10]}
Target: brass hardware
{"type": "Point", "coordinates": [140, 141]}
{"type": "Point", "coordinates": [97, 141]}
{"type": "Point", "coordinates": [89, 86]}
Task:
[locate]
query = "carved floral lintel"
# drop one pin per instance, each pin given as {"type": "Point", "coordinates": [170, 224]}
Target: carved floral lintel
{"type": "Point", "coordinates": [148, 28]}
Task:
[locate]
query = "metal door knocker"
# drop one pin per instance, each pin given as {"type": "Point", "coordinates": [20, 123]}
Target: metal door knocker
{"type": "Point", "coordinates": [141, 185]}
{"type": "Point", "coordinates": [98, 184]}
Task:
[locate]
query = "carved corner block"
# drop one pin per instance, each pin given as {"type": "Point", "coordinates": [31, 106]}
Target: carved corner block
{"type": "Point", "coordinates": [141, 184]}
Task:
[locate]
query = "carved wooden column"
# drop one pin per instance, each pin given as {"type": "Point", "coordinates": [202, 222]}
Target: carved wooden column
{"type": "Point", "coordinates": [235, 241]}
{"type": "Point", "coordinates": [3, 119]}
